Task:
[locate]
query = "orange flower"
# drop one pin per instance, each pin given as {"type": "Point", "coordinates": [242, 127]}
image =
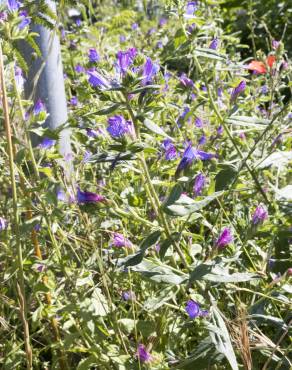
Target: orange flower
{"type": "Point", "coordinates": [257, 66]}
{"type": "Point", "coordinates": [271, 60]}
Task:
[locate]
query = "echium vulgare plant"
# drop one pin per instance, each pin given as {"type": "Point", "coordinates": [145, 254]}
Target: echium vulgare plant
{"type": "Point", "coordinates": [167, 246]}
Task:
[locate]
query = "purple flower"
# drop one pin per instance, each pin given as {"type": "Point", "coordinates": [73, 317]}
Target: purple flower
{"type": "Point", "coordinates": [39, 107]}
{"type": "Point", "coordinates": [74, 101]}
{"type": "Point", "coordinates": [88, 197]}
{"type": "Point", "coordinates": [170, 150]}
{"type": "Point", "coordinates": [199, 184]}
{"type": "Point", "coordinates": [13, 5]}
{"type": "Point", "coordinates": [118, 126]}
{"type": "Point", "coordinates": [214, 44]}
{"type": "Point", "coordinates": [86, 156]}
{"type": "Point", "coordinates": [202, 140]}
{"type": "Point", "coordinates": [185, 81]}
{"type": "Point", "coordinates": [79, 68]}
{"type": "Point", "coordinates": [220, 130]}
{"type": "Point", "coordinates": [159, 45]}
{"type": "Point", "coordinates": [264, 89]}
{"type": "Point", "coordinates": [190, 9]}
{"type": "Point", "coordinates": [125, 59]}
{"type": "Point", "coordinates": [78, 22]}
{"type": "Point", "coordinates": [24, 22]}
{"type": "Point", "coordinates": [91, 133]}
{"type": "Point", "coordinates": [224, 238]}
{"type": "Point", "coordinates": [134, 26]}
{"type": "Point", "coordinates": [142, 354]}
{"type": "Point", "coordinates": [220, 92]}
{"type": "Point", "coordinates": [129, 295]}
{"type": "Point", "coordinates": [97, 80]}
{"type": "Point", "coordinates": [122, 38]}
{"type": "Point", "coordinates": [275, 44]}
{"type": "Point", "coordinates": [162, 22]}
{"type": "Point", "coordinates": [191, 154]}
{"type": "Point", "coordinates": [149, 71]}
{"type": "Point", "coordinates": [93, 55]}
{"type": "Point", "coordinates": [237, 90]}
{"type": "Point", "coordinates": [260, 215]}
{"type": "Point", "coordinates": [3, 224]}
{"type": "Point", "coordinates": [18, 77]}
{"type": "Point", "coordinates": [199, 122]}
{"type": "Point", "coordinates": [193, 309]}
{"type": "Point", "coordinates": [47, 143]}
{"type": "Point", "coordinates": [3, 16]}
{"type": "Point", "coordinates": [120, 241]}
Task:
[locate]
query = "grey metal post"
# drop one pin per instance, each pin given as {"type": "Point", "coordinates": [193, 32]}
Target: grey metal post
{"type": "Point", "coordinates": [45, 80]}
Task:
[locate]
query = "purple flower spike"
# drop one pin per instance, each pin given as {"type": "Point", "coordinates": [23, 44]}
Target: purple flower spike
{"type": "Point", "coordinates": [185, 81]}
{"type": "Point", "coordinates": [118, 126]}
{"type": "Point", "coordinates": [97, 80]}
{"type": "Point", "coordinates": [199, 184]}
{"type": "Point", "coordinates": [39, 107]}
{"type": "Point", "coordinates": [125, 59]}
{"type": "Point", "coordinates": [193, 309]}
{"type": "Point", "coordinates": [142, 354]}
{"type": "Point", "coordinates": [47, 143]}
{"type": "Point", "coordinates": [120, 241]}
{"type": "Point", "coordinates": [149, 71]}
{"type": "Point", "coordinates": [225, 238]}
{"type": "Point", "coordinates": [93, 55]}
{"type": "Point", "coordinates": [13, 5]}
{"type": "Point", "coordinates": [260, 215]}
{"type": "Point", "coordinates": [88, 197]}
{"type": "Point", "coordinates": [237, 90]}
{"type": "Point", "coordinates": [3, 224]}
{"type": "Point", "coordinates": [214, 44]}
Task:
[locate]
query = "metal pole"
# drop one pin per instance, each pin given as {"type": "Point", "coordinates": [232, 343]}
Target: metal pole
{"type": "Point", "coordinates": [45, 80]}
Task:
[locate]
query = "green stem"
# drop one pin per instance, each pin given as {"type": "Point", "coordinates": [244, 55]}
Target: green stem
{"type": "Point", "coordinates": [222, 121]}
{"type": "Point", "coordinates": [20, 288]}
{"type": "Point", "coordinates": [153, 197]}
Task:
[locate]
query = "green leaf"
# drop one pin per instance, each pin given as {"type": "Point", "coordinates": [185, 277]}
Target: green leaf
{"type": "Point", "coordinates": [185, 206]}
{"type": "Point", "coordinates": [136, 258]}
{"type": "Point", "coordinates": [232, 278]}
{"type": "Point", "coordinates": [167, 243]}
{"type": "Point", "coordinates": [200, 271]}
{"type": "Point", "coordinates": [154, 127]}
{"type": "Point", "coordinates": [174, 195]}
{"type": "Point", "coordinates": [225, 177]}
{"type": "Point", "coordinates": [220, 337]}
{"type": "Point", "coordinates": [255, 122]}
{"type": "Point", "coordinates": [158, 272]}
{"type": "Point", "coordinates": [210, 54]}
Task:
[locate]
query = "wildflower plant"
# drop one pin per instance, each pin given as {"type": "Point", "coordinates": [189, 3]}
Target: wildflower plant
{"type": "Point", "coordinates": [167, 244]}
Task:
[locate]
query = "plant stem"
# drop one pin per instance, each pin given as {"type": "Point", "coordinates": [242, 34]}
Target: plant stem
{"type": "Point", "coordinates": [154, 199]}
{"type": "Point", "coordinates": [222, 121]}
{"type": "Point", "coordinates": [20, 285]}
